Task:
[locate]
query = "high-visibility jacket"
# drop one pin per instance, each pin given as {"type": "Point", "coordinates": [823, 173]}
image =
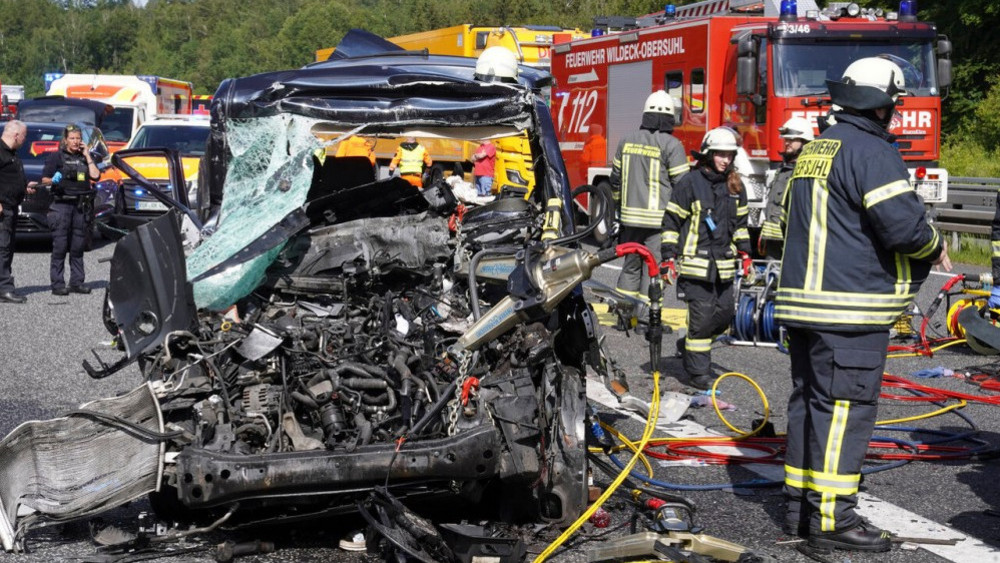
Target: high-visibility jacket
{"type": "Point", "coordinates": [357, 146]}
{"type": "Point", "coordinates": [706, 226]}
{"type": "Point", "coordinates": [857, 244]}
{"type": "Point", "coordinates": [646, 166]}
{"type": "Point", "coordinates": [411, 159]}
{"type": "Point", "coordinates": [774, 212]}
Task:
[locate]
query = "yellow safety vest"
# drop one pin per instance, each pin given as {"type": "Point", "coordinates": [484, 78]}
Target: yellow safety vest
{"type": "Point", "coordinates": [412, 161]}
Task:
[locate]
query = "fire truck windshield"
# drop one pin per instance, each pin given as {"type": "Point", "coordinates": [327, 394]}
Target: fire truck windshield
{"type": "Point", "coordinates": [802, 68]}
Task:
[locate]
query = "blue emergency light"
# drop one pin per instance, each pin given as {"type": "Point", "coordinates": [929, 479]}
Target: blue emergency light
{"type": "Point", "coordinates": [139, 192]}
{"type": "Point", "coordinates": [596, 32]}
{"type": "Point", "coordinates": [908, 8]}
{"type": "Point", "coordinates": [789, 10]}
{"type": "Point", "coordinates": [670, 11]}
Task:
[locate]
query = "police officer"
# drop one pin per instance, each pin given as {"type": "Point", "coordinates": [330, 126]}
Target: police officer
{"type": "Point", "coordinates": [13, 187]}
{"type": "Point", "coordinates": [705, 224]}
{"type": "Point", "coordinates": [796, 132]}
{"type": "Point", "coordinates": [71, 171]}
{"type": "Point", "coordinates": [857, 248]}
{"type": "Point", "coordinates": [648, 163]}
{"type": "Point", "coordinates": [411, 158]}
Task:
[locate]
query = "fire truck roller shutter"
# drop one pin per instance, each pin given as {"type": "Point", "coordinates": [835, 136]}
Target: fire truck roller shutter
{"type": "Point", "coordinates": [625, 87]}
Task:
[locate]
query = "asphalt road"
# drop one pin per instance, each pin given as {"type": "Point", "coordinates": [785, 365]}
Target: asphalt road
{"type": "Point", "coordinates": [43, 342]}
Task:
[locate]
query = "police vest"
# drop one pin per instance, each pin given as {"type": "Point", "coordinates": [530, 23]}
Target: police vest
{"type": "Point", "coordinates": [75, 180]}
{"type": "Point", "coordinates": [412, 160]}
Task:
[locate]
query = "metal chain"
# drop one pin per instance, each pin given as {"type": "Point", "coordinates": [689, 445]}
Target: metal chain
{"type": "Point", "coordinates": [455, 404]}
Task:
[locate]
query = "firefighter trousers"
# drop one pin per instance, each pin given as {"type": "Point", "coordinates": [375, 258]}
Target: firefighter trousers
{"type": "Point", "coordinates": [633, 279]}
{"type": "Point", "coordinates": [710, 310]}
{"type": "Point", "coordinates": [836, 379]}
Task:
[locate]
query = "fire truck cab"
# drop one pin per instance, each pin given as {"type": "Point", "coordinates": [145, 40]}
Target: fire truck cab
{"type": "Point", "coordinates": [749, 64]}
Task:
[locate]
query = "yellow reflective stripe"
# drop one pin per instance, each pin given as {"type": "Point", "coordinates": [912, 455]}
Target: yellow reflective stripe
{"type": "Point", "coordinates": [929, 248]}
{"type": "Point", "coordinates": [691, 243]}
{"type": "Point", "coordinates": [624, 167]}
{"type": "Point", "coordinates": [842, 317]}
{"type": "Point", "coordinates": [843, 299]}
{"type": "Point", "coordinates": [822, 482]}
{"type": "Point", "coordinates": [996, 248]}
{"type": "Point", "coordinates": [654, 184]}
{"type": "Point", "coordinates": [698, 344]}
{"type": "Point", "coordinates": [741, 234]}
{"type": "Point", "coordinates": [771, 230]}
{"type": "Point", "coordinates": [831, 462]}
{"type": "Point", "coordinates": [670, 237]}
{"type": "Point", "coordinates": [742, 210]}
{"type": "Point", "coordinates": [627, 292]}
{"type": "Point", "coordinates": [677, 210]}
{"type": "Point", "coordinates": [817, 236]}
{"type": "Point", "coordinates": [885, 192]}
{"type": "Point", "coordinates": [645, 213]}
{"type": "Point", "coordinates": [827, 505]}
{"type": "Point", "coordinates": [679, 169]}
{"type": "Point", "coordinates": [903, 274]}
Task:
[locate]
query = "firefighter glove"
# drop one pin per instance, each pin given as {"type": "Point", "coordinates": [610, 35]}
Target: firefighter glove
{"type": "Point", "coordinates": [668, 272]}
{"type": "Point", "coordinates": [994, 301]}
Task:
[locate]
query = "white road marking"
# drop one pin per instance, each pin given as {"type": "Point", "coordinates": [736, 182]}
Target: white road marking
{"type": "Point", "coordinates": [883, 514]}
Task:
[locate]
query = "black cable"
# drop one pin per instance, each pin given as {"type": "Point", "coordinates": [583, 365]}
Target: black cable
{"type": "Point", "coordinates": [127, 425]}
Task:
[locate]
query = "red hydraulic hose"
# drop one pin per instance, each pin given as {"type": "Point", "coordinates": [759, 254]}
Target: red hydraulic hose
{"type": "Point", "coordinates": [643, 252]}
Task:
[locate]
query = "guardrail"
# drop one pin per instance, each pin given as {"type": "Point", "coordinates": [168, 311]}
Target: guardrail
{"type": "Point", "coordinates": [970, 206]}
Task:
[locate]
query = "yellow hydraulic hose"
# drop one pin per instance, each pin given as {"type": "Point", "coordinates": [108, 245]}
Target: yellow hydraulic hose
{"type": "Point", "coordinates": [654, 413]}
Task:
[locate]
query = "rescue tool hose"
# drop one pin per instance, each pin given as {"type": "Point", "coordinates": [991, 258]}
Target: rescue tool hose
{"type": "Point", "coordinates": [606, 206]}
{"type": "Point", "coordinates": [654, 413]}
{"type": "Point", "coordinates": [654, 407]}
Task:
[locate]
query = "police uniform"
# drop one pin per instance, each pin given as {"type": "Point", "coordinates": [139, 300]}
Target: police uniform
{"type": "Point", "coordinates": [646, 166]}
{"type": "Point", "coordinates": [705, 226]}
{"type": "Point", "coordinates": [12, 191]}
{"type": "Point", "coordinates": [69, 216]}
{"type": "Point", "coordinates": [857, 248]}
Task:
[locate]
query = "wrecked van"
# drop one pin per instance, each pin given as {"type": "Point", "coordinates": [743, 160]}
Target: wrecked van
{"type": "Point", "coordinates": [308, 331]}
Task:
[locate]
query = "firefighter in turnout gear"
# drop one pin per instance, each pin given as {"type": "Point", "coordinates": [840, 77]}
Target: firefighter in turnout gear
{"type": "Point", "coordinates": [647, 165]}
{"type": "Point", "coordinates": [857, 248]}
{"type": "Point", "coordinates": [796, 132]}
{"type": "Point", "coordinates": [705, 224]}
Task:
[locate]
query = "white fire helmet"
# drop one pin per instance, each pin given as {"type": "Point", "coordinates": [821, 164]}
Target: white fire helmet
{"type": "Point", "coordinates": [869, 83]}
{"type": "Point", "coordinates": [797, 128]}
{"type": "Point", "coordinates": [659, 102]}
{"type": "Point", "coordinates": [497, 64]}
{"type": "Point", "coordinates": [719, 139]}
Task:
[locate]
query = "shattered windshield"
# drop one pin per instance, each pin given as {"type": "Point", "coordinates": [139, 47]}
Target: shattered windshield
{"type": "Point", "coordinates": [269, 177]}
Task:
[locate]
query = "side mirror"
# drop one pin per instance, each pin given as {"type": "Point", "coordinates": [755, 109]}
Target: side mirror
{"type": "Point", "coordinates": [99, 152]}
{"type": "Point", "coordinates": [746, 75]}
{"type": "Point", "coordinates": [943, 47]}
{"type": "Point", "coordinates": [944, 73]}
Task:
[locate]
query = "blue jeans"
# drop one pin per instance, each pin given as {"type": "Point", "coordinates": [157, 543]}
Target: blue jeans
{"type": "Point", "coordinates": [484, 185]}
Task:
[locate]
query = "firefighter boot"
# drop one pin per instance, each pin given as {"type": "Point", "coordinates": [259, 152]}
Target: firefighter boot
{"type": "Point", "coordinates": [863, 537]}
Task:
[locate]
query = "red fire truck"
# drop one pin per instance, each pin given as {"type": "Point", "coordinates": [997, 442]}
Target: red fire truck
{"type": "Point", "coordinates": [751, 64]}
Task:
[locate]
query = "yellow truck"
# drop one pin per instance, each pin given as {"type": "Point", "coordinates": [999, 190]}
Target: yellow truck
{"type": "Point", "coordinates": [532, 44]}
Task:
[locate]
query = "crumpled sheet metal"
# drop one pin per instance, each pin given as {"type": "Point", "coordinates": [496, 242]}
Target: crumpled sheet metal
{"type": "Point", "coordinates": [73, 467]}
